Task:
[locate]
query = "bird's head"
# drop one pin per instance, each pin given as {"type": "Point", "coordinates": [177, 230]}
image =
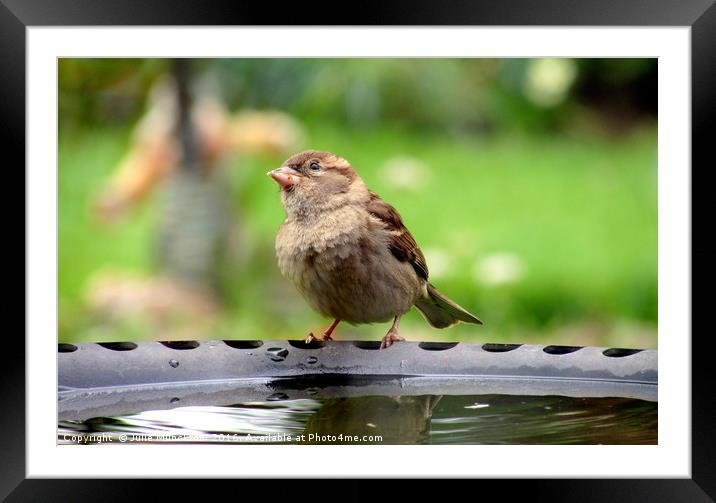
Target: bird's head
{"type": "Point", "coordinates": [315, 181]}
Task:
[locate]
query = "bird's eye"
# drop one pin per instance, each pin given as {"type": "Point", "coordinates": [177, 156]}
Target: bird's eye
{"type": "Point", "coordinates": [314, 166]}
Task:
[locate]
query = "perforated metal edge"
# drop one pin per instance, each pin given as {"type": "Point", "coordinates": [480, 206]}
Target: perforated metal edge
{"type": "Point", "coordinates": [119, 378]}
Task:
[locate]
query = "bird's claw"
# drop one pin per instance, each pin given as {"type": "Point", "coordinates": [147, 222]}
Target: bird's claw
{"type": "Point", "coordinates": [310, 338]}
{"type": "Point", "coordinates": [389, 339]}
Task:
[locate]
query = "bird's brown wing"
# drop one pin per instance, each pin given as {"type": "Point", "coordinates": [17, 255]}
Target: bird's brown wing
{"type": "Point", "coordinates": [402, 244]}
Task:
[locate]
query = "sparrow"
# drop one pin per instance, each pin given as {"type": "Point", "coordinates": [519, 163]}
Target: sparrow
{"type": "Point", "coordinates": [348, 252]}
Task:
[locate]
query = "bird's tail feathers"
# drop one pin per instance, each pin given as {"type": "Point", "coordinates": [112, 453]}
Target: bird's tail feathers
{"type": "Point", "coordinates": [442, 312]}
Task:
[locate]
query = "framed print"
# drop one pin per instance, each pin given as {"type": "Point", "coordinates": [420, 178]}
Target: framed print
{"type": "Point", "coordinates": [541, 164]}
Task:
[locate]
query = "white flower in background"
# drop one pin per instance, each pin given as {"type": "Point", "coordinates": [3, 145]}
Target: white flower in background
{"type": "Point", "coordinates": [406, 172]}
{"type": "Point", "coordinates": [438, 261]}
{"type": "Point", "coordinates": [500, 269]}
{"type": "Point", "coordinates": [548, 80]}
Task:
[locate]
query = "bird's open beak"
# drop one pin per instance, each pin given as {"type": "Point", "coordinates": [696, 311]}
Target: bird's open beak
{"type": "Point", "coordinates": [286, 177]}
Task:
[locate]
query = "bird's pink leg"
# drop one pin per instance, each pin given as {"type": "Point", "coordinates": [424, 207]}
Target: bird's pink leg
{"type": "Point", "coordinates": [329, 330]}
{"type": "Point", "coordinates": [326, 334]}
{"type": "Point", "coordinates": [392, 335]}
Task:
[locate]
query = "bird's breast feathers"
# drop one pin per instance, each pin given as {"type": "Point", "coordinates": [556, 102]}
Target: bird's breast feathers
{"type": "Point", "coordinates": [342, 264]}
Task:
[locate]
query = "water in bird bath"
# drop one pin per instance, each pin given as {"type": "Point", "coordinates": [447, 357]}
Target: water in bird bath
{"type": "Point", "coordinates": [425, 419]}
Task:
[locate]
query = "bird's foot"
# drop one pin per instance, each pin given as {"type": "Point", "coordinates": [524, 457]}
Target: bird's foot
{"type": "Point", "coordinates": [391, 337]}
{"type": "Point", "coordinates": [311, 338]}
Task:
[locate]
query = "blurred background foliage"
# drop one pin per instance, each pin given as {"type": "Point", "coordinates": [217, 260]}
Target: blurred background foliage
{"type": "Point", "coordinates": [530, 184]}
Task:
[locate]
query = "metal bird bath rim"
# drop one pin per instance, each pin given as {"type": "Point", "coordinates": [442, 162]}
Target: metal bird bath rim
{"type": "Point", "coordinates": [103, 379]}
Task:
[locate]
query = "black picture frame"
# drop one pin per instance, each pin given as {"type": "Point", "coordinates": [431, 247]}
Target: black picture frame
{"type": "Point", "coordinates": [700, 15]}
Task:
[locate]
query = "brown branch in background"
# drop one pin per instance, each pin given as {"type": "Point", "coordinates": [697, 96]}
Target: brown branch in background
{"type": "Point", "coordinates": [188, 140]}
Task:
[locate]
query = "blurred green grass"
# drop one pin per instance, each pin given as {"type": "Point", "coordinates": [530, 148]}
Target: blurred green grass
{"type": "Point", "coordinates": [579, 216]}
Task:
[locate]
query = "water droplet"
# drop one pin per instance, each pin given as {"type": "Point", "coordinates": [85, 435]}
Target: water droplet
{"type": "Point", "coordinates": [174, 400]}
{"type": "Point", "coordinates": [277, 354]}
{"type": "Point", "coordinates": [312, 360]}
{"type": "Point", "coordinates": [276, 397]}
{"type": "Point", "coordinates": [477, 406]}
{"type": "Point", "coordinates": [174, 363]}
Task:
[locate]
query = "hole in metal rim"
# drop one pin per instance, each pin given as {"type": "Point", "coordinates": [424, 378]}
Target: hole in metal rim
{"type": "Point", "coordinates": [244, 344]}
{"type": "Point", "coordinates": [301, 344]}
{"type": "Point", "coordinates": [367, 344]}
{"type": "Point", "coordinates": [118, 346]}
{"type": "Point", "coordinates": [180, 344]}
{"type": "Point", "coordinates": [499, 348]}
{"type": "Point", "coordinates": [437, 346]}
{"type": "Point", "coordinates": [66, 348]}
{"type": "Point", "coordinates": [620, 352]}
{"type": "Point", "coordinates": [561, 350]}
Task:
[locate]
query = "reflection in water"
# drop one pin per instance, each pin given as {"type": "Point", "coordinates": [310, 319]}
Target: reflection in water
{"type": "Point", "coordinates": [476, 419]}
{"type": "Point", "coordinates": [382, 419]}
{"type": "Point", "coordinates": [506, 419]}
